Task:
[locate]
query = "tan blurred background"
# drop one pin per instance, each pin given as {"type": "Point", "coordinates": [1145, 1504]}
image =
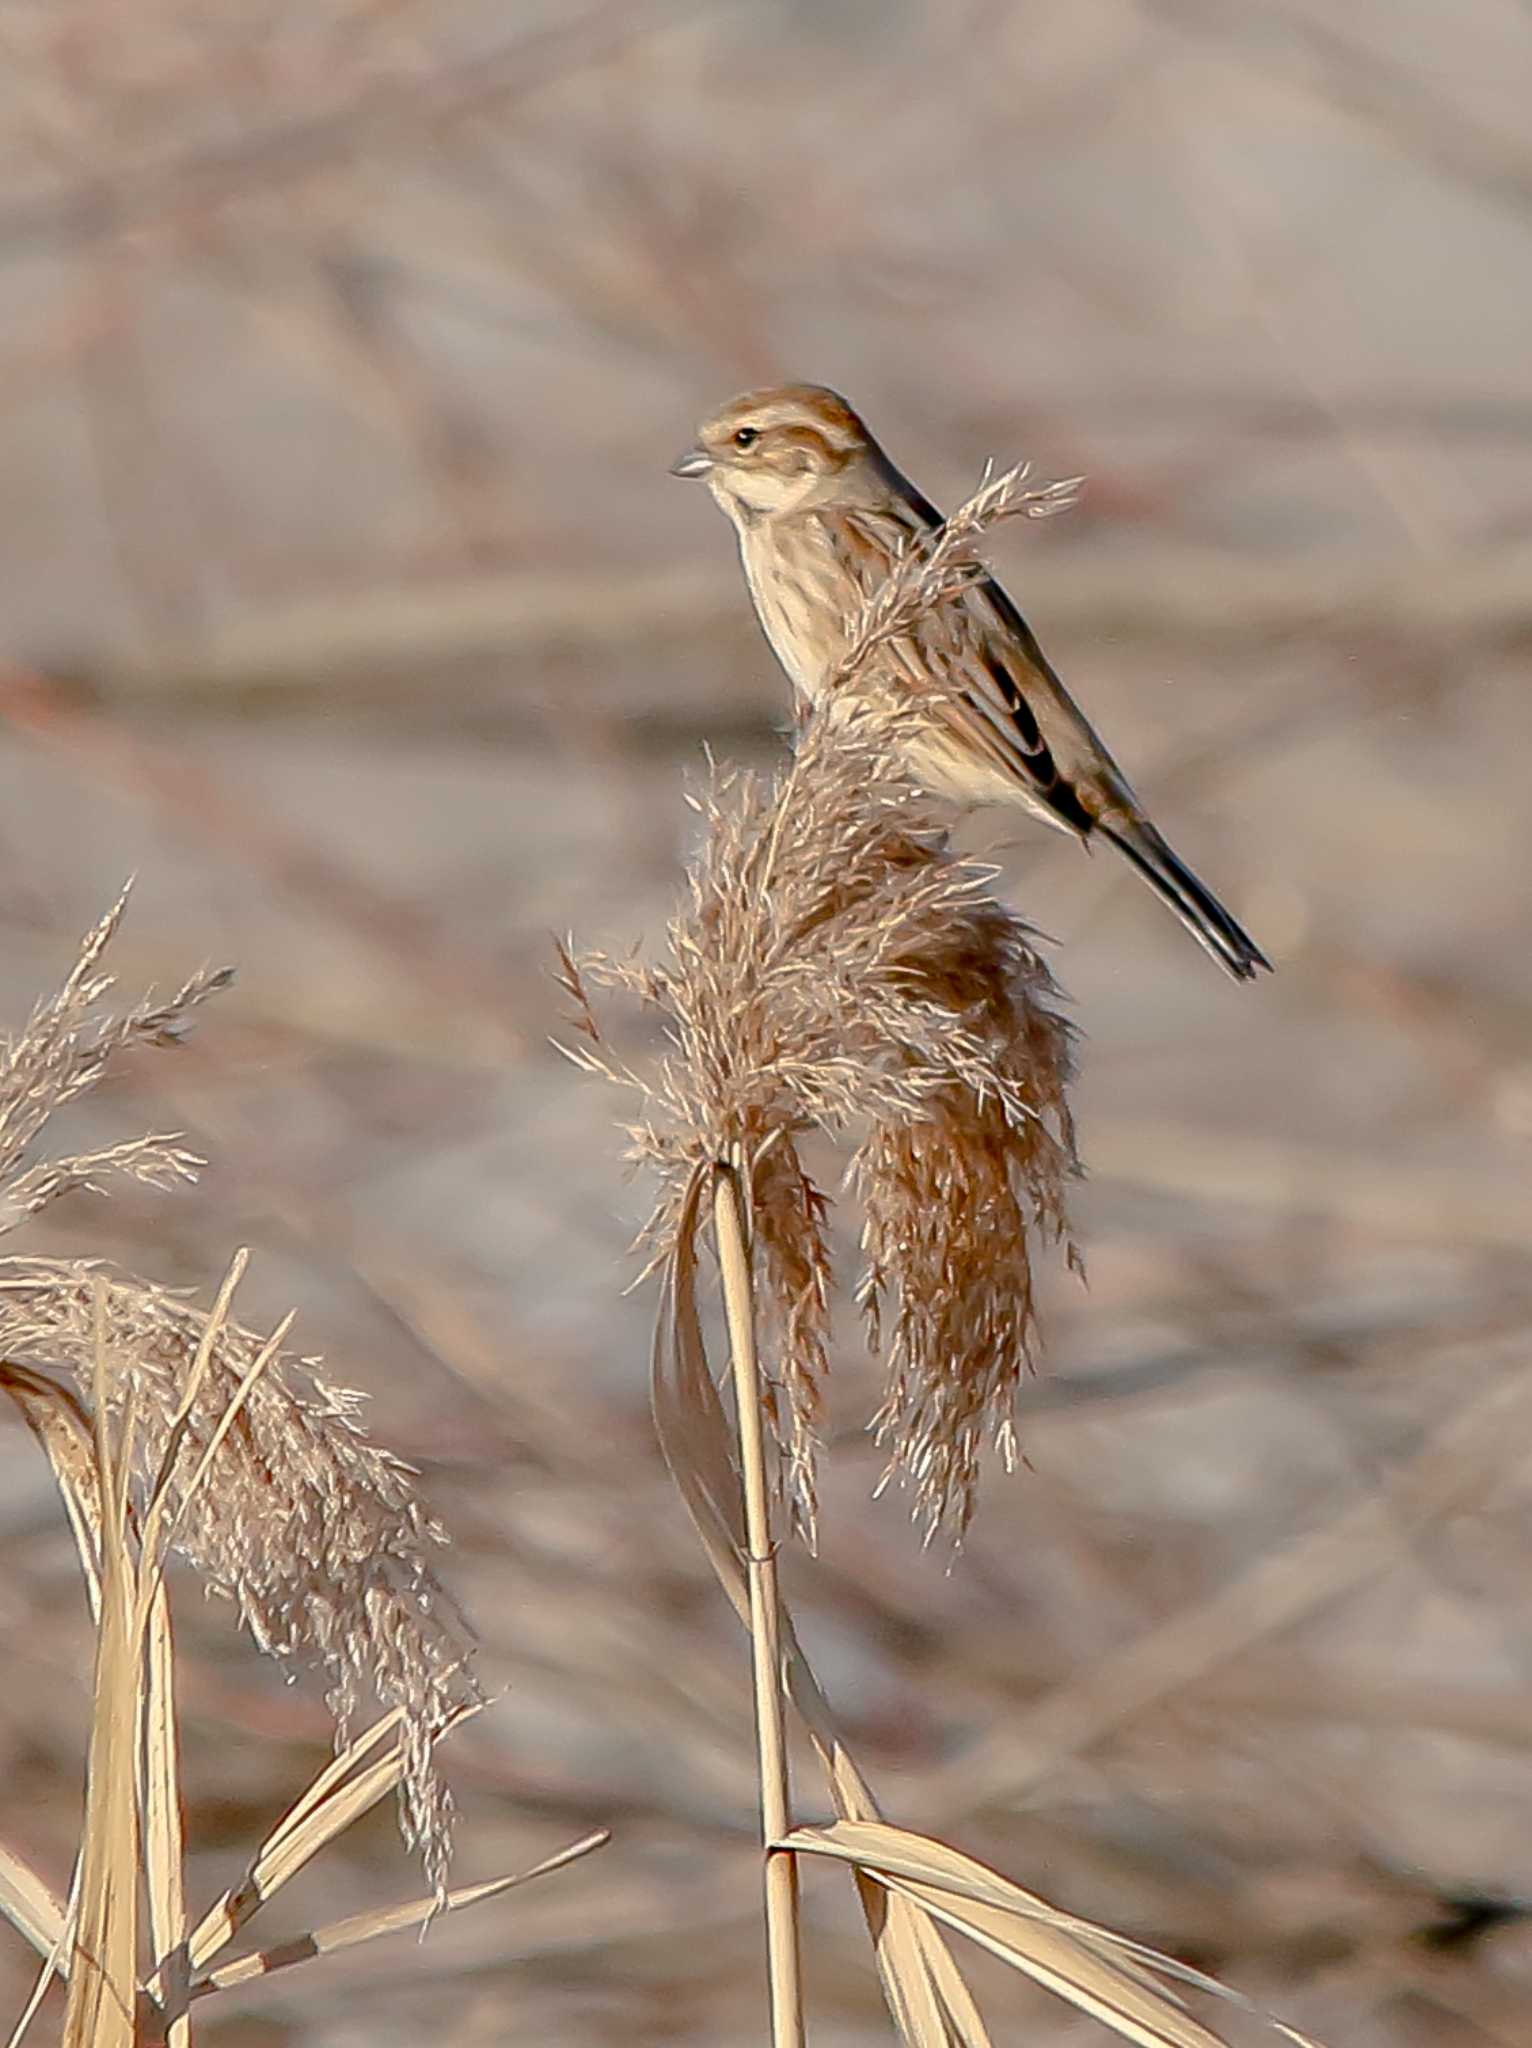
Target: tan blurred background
{"type": "Point", "coordinates": [344, 597]}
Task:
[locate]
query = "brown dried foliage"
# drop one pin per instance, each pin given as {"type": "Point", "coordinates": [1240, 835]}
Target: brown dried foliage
{"type": "Point", "coordinates": [314, 1532]}
{"type": "Point", "coordinates": [837, 967]}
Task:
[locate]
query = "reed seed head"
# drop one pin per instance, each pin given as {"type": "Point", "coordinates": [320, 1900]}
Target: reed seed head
{"type": "Point", "coordinates": [315, 1533]}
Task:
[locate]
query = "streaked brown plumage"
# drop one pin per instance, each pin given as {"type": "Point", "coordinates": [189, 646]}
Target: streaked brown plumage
{"type": "Point", "coordinates": [822, 515]}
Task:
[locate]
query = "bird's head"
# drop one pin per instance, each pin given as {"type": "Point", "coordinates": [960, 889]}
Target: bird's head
{"type": "Point", "coordinates": [777, 452]}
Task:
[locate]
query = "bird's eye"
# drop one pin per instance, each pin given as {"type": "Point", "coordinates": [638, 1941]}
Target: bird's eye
{"type": "Point", "coordinates": [746, 437]}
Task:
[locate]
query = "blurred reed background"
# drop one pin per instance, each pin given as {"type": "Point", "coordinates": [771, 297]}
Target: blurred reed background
{"type": "Point", "coordinates": [343, 596]}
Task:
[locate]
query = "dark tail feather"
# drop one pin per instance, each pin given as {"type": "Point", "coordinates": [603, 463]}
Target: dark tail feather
{"type": "Point", "coordinates": [1198, 908]}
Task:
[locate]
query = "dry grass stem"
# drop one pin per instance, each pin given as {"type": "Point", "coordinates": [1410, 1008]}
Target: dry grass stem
{"type": "Point", "coordinates": [103, 1977]}
{"type": "Point", "coordinates": [781, 1868]}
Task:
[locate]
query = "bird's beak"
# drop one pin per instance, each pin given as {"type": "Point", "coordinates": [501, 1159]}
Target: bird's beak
{"type": "Point", "coordinates": [695, 462]}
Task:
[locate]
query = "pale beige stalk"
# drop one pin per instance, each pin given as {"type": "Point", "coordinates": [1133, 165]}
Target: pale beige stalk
{"type": "Point", "coordinates": [781, 1866]}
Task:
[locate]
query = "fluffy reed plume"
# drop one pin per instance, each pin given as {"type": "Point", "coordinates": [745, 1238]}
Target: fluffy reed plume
{"type": "Point", "coordinates": [837, 967]}
{"type": "Point", "coordinates": [133, 1956]}
{"type": "Point", "coordinates": [64, 1050]}
{"type": "Point", "coordinates": [315, 1533]}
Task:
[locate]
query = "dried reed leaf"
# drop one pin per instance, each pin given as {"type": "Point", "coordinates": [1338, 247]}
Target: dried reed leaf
{"type": "Point", "coordinates": [323, 1785]}
{"type": "Point", "coordinates": [103, 1977]}
{"type": "Point", "coordinates": [164, 1834]}
{"type": "Point", "coordinates": [1100, 1972]}
{"type": "Point", "coordinates": [931, 1959]}
{"type": "Point", "coordinates": [1069, 1970]}
{"type": "Point", "coordinates": [57, 1418]}
{"type": "Point", "coordinates": [57, 1960]}
{"type": "Point", "coordinates": [33, 1908]}
{"type": "Point", "coordinates": [387, 1920]}
{"type": "Point", "coordinates": [694, 1435]}
{"type": "Point", "coordinates": [927, 1999]}
{"type": "Point", "coordinates": [340, 1794]}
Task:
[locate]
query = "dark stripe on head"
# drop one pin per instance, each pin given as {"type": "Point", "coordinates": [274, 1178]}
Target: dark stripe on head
{"type": "Point", "coordinates": [789, 411]}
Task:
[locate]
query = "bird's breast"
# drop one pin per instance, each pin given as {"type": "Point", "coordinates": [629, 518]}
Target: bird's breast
{"type": "Point", "coordinates": [804, 594]}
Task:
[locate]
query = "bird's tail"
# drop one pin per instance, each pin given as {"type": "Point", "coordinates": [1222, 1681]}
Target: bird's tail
{"type": "Point", "coordinates": [1197, 907]}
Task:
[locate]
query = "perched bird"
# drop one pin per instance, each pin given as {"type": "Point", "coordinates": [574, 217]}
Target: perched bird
{"type": "Point", "coordinates": [822, 517]}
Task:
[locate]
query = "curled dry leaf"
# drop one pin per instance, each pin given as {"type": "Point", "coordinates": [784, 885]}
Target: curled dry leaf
{"type": "Point", "coordinates": [1117, 1980]}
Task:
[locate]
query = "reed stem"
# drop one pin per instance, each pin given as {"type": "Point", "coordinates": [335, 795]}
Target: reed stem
{"type": "Point", "coordinates": [781, 1867]}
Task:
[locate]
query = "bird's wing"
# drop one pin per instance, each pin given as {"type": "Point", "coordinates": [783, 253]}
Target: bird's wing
{"type": "Point", "coordinates": [1021, 703]}
{"type": "Point", "coordinates": [1013, 714]}
{"type": "Point", "coordinates": [1011, 710]}
{"type": "Point", "coordinates": [1008, 691]}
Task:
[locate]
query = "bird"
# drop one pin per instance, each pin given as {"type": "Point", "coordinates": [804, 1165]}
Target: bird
{"type": "Point", "coordinates": [822, 516]}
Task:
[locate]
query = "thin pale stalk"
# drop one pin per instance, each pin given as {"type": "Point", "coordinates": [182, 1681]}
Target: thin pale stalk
{"type": "Point", "coordinates": [163, 1846]}
{"type": "Point", "coordinates": [99, 2012]}
{"type": "Point", "coordinates": [781, 1872]}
